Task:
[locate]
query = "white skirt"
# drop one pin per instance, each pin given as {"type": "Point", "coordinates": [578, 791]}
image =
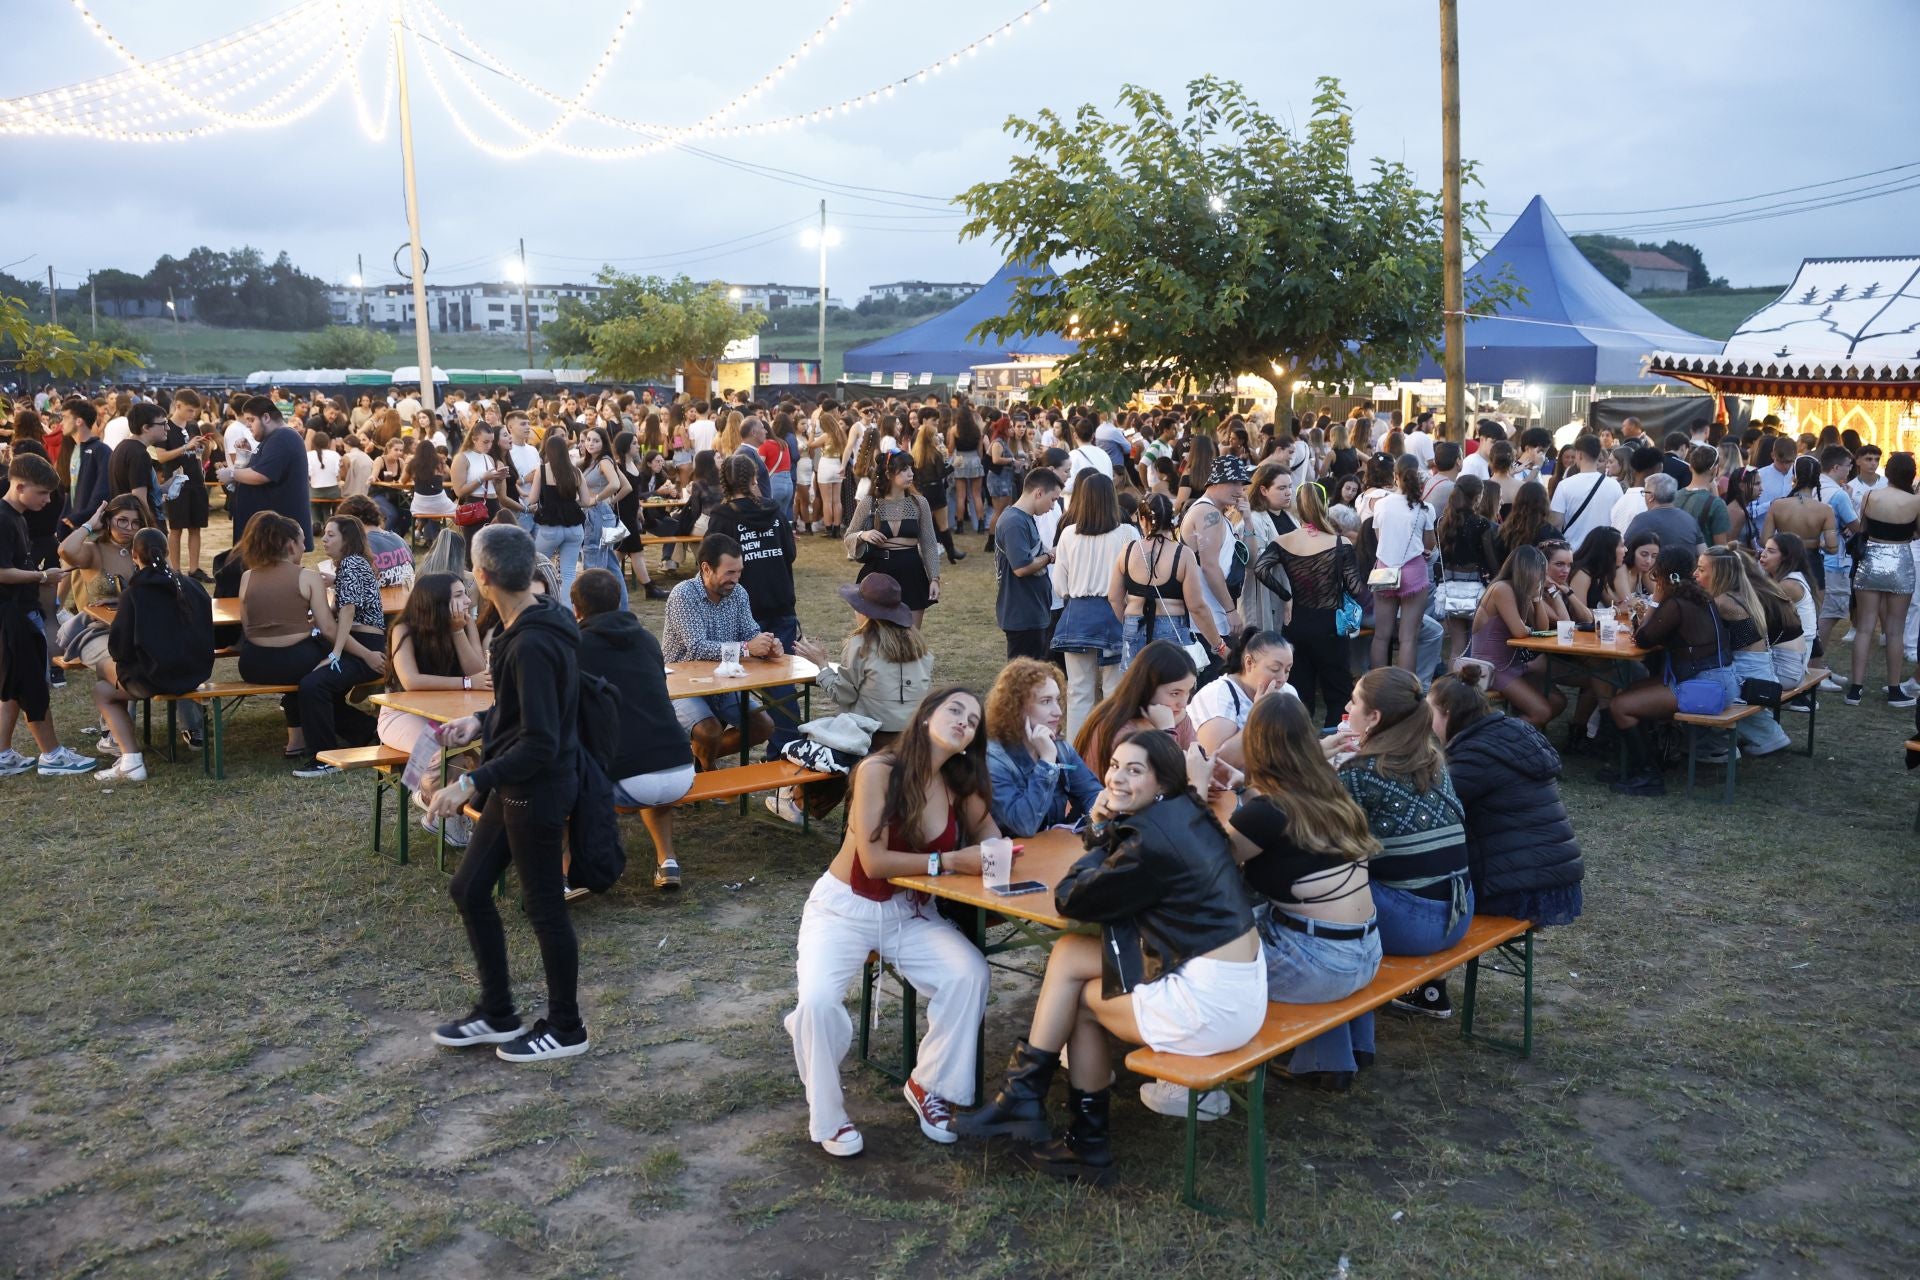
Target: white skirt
{"type": "Point", "coordinates": [1205, 1006]}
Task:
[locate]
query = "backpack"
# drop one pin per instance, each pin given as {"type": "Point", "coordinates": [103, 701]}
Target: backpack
{"type": "Point", "coordinates": [593, 829]}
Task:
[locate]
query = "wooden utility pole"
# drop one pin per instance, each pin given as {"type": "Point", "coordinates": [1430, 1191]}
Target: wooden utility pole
{"type": "Point", "coordinates": [1453, 291]}
{"type": "Point", "coordinates": [53, 296]}
{"type": "Point", "coordinates": [93, 309]}
{"type": "Point", "coordinates": [422, 341]}
{"type": "Point", "coordinates": [526, 316]}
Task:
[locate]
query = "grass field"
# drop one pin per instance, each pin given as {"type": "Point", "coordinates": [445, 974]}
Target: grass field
{"type": "Point", "coordinates": [194, 348]}
{"type": "Point", "coordinates": [1711, 315]}
{"type": "Point", "coordinates": [214, 1062]}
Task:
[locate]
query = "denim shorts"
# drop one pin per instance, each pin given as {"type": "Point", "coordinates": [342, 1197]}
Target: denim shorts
{"type": "Point", "coordinates": [1134, 636]}
{"type": "Point", "coordinates": [1303, 968]}
{"type": "Point", "coordinates": [724, 707]}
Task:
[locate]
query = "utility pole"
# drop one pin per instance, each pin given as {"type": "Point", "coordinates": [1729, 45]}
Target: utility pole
{"type": "Point", "coordinates": [823, 290]}
{"type": "Point", "coordinates": [423, 343]}
{"type": "Point", "coordinates": [526, 315]}
{"type": "Point", "coordinates": [360, 286]}
{"type": "Point", "coordinates": [53, 296]}
{"type": "Point", "coordinates": [1453, 293]}
{"type": "Point", "coordinates": [93, 309]}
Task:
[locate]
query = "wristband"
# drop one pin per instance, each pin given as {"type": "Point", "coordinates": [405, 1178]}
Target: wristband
{"type": "Point", "coordinates": [933, 864]}
{"type": "Point", "coordinates": [466, 682]}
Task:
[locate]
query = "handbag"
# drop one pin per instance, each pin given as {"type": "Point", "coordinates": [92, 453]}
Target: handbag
{"type": "Point", "coordinates": [1458, 597]}
{"type": "Point", "coordinates": [1346, 619]}
{"type": "Point", "coordinates": [1698, 695]}
{"type": "Point", "coordinates": [471, 513]}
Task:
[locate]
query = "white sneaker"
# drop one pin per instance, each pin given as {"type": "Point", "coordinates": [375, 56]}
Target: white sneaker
{"type": "Point", "coordinates": [1910, 687]}
{"type": "Point", "coordinates": [847, 1142]}
{"type": "Point", "coordinates": [1171, 1100]}
{"type": "Point", "coordinates": [1848, 638]}
{"type": "Point", "coordinates": [13, 763]}
{"type": "Point", "coordinates": [65, 762]}
{"type": "Point", "coordinates": [780, 804]}
{"type": "Point", "coordinates": [124, 770]}
{"type": "Point", "coordinates": [106, 746]}
{"type": "Point", "coordinates": [1834, 684]}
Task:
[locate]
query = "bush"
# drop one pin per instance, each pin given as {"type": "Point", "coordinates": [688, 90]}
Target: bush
{"type": "Point", "coordinates": [343, 347]}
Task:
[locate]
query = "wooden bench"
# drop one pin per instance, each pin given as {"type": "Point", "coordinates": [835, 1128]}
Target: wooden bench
{"type": "Point", "coordinates": [1913, 745]}
{"type": "Point", "coordinates": [386, 764]}
{"type": "Point", "coordinates": [1808, 688]}
{"type": "Point", "coordinates": [1243, 1071]}
{"type": "Point", "coordinates": [745, 780]}
{"type": "Point", "coordinates": [1727, 719]}
{"type": "Point", "coordinates": [427, 528]}
{"type": "Point", "coordinates": [667, 540]}
{"type": "Point", "coordinates": [218, 694]}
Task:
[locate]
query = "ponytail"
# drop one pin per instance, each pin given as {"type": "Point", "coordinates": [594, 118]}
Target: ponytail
{"type": "Point", "coordinates": [150, 552]}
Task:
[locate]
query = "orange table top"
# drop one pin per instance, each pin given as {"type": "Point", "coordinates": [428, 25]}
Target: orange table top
{"type": "Point", "coordinates": [438, 705]}
{"type": "Point", "coordinates": [696, 679]}
{"type": "Point", "coordinates": [1045, 857]}
{"type": "Point", "coordinates": [1585, 644]}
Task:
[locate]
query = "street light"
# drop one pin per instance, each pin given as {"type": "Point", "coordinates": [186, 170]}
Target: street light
{"type": "Point", "coordinates": [358, 283]}
{"type": "Point", "coordinates": [822, 238]}
{"type": "Point", "coordinates": [516, 269]}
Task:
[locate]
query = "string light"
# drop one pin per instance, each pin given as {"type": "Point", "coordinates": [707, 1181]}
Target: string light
{"type": "Point", "coordinates": [350, 49]}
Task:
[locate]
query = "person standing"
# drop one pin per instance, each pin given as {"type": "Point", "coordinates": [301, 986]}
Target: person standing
{"type": "Point", "coordinates": [274, 477]}
{"type": "Point", "coordinates": [525, 783]}
{"type": "Point", "coordinates": [88, 459]}
{"type": "Point", "coordinates": [180, 456]}
{"type": "Point", "coordinates": [1208, 534]}
{"type": "Point", "coordinates": [1584, 500]}
{"type": "Point", "coordinates": [31, 482]}
{"type": "Point", "coordinates": [1023, 593]}
{"type": "Point", "coordinates": [130, 467]}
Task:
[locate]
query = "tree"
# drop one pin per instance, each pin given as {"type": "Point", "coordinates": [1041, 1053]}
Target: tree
{"type": "Point", "coordinates": [242, 289]}
{"type": "Point", "coordinates": [1220, 244]}
{"type": "Point", "coordinates": [344, 347]}
{"type": "Point", "coordinates": [1599, 251]}
{"type": "Point", "coordinates": [646, 327]}
{"type": "Point", "coordinates": [53, 349]}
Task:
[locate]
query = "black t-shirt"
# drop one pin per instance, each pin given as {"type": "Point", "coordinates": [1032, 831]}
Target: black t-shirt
{"type": "Point", "coordinates": [16, 552]}
{"type": "Point", "coordinates": [282, 458]}
{"type": "Point", "coordinates": [178, 438]}
{"type": "Point", "coordinates": [130, 470]}
{"type": "Point", "coordinates": [1280, 861]}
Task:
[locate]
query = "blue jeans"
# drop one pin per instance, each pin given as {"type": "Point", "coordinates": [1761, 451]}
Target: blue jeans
{"type": "Point", "coordinates": [782, 701]}
{"type": "Point", "coordinates": [1305, 969]}
{"type": "Point", "coordinates": [1761, 733]}
{"type": "Point", "coordinates": [595, 553]}
{"type": "Point", "coordinates": [1134, 637]}
{"type": "Point", "coordinates": [560, 543]}
{"type": "Point", "coordinates": [1410, 925]}
{"type": "Point", "coordinates": [783, 493]}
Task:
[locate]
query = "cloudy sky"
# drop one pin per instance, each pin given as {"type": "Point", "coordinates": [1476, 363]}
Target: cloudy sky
{"type": "Point", "coordinates": [1626, 106]}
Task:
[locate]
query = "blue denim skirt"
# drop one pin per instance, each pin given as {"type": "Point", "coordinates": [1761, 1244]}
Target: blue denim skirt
{"type": "Point", "coordinates": [1087, 625]}
{"type": "Point", "coordinates": [1134, 635]}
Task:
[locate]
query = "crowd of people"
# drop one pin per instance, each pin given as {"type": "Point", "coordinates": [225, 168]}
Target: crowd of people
{"type": "Point", "coordinates": [1261, 668]}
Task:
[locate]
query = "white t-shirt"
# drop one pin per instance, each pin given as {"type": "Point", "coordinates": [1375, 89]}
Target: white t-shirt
{"type": "Point", "coordinates": [1087, 456]}
{"type": "Point", "coordinates": [116, 433]}
{"type": "Point", "coordinates": [323, 469]}
{"type": "Point", "coordinates": [1223, 699]}
{"type": "Point", "coordinates": [1398, 529]}
{"type": "Point", "coordinates": [1572, 495]}
{"type": "Point", "coordinates": [1860, 489]}
{"type": "Point", "coordinates": [1626, 507]}
{"type": "Point", "coordinates": [237, 443]}
{"type": "Point", "coordinates": [1420, 445]}
{"type": "Point", "coordinates": [1048, 524]}
{"type": "Point", "coordinates": [1475, 463]}
{"type": "Point", "coordinates": [1084, 566]}
{"type": "Point", "coordinates": [701, 433]}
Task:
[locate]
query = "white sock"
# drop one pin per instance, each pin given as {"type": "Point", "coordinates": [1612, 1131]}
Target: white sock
{"type": "Point", "coordinates": [133, 760]}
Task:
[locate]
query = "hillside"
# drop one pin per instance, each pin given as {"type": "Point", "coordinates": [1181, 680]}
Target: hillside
{"type": "Point", "coordinates": [1711, 315]}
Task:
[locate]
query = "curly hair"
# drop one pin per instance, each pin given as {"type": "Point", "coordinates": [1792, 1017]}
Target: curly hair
{"type": "Point", "coordinates": [1007, 700]}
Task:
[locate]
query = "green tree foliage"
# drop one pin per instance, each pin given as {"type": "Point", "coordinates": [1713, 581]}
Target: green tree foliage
{"type": "Point", "coordinates": [241, 289]}
{"type": "Point", "coordinates": [647, 327]}
{"type": "Point", "coordinates": [344, 347]}
{"type": "Point", "coordinates": [54, 349]}
{"type": "Point", "coordinates": [1217, 244]}
{"type": "Point", "coordinates": [1597, 249]}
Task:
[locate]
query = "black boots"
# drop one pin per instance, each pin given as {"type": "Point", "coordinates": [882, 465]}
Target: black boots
{"type": "Point", "coordinates": [945, 537]}
{"type": "Point", "coordinates": [1084, 1151]}
{"type": "Point", "coordinates": [1019, 1110]}
{"type": "Point", "coordinates": [1643, 774]}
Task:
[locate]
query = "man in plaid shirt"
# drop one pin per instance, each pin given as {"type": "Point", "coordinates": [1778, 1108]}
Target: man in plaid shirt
{"type": "Point", "coordinates": [702, 614]}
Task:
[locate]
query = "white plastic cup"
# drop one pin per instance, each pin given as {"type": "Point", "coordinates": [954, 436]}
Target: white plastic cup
{"type": "Point", "coordinates": [729, 653]}
{"type": "Point", "coordinates": [1564, 629]}
{"type": "Point", "coordinates": [996, 862]}
{"type": "Point", "coordinates": [1609, 629]}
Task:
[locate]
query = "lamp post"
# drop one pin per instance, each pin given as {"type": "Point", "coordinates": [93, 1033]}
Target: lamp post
{"type": "Point", "coordinates": [1453, 294]}
{"type": "Point", "coordinates": [422, 342]}
{"type": "Point", "coordinates": [822, 237]}
{"type": "Point", "coordinates": [359, 283]}
{"type": "Point", "coordinates": [517, 271]}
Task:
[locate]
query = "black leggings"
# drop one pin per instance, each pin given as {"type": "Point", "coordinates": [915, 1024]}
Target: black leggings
{"type": "Point", "coordinates": [518, 832]}
{"type": "Point", "coordinates": [327, 719]}
{"type": "Point", "coordinates": [262, 664]}
{"type": "Point", "coordinates": [1320, 661]}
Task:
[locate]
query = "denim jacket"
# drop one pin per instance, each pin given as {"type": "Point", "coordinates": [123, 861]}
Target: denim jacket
{"type": "Point", "coordinates": [1029, 797]}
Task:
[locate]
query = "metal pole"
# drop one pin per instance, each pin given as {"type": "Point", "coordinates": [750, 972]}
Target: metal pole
{"type": "Point", "coordinates": [1452, 289]}
{"type": "Point", "coordinates": [360, 274]}
{"type": "Point", "coordinates": [526, 315]}
{"type": "Point", "coordinates": [93, 309]}
{"type": "Point", "coordinates": [422, 341]}
{"type": "Point", "coordinates": [53, 296]}
{"type": "Point", "coordinates": [173, 307]}
{"type": "Point", "coordinates": [823, 289]}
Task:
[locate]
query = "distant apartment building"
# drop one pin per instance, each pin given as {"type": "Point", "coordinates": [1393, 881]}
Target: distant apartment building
{"type": "Point", "coordinates": [920, 289]}
{"type": "Point", "coordinates": [776, 297]}
{"type": "Point", "coordinates": [454, 308]}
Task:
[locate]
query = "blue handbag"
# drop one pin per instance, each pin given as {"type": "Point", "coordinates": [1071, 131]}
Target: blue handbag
{"type": "Point", "coordinates": [1699, 695]}
{"type": "Point", "coordinates": [1346, 619]}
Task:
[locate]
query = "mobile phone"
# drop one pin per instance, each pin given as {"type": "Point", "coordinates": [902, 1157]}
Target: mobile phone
{"type": "Point", "coordinates": [1019, 887]}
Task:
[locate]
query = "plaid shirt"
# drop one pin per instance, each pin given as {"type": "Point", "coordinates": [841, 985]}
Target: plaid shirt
{"type": "Point", "coordinates": [696, 626]}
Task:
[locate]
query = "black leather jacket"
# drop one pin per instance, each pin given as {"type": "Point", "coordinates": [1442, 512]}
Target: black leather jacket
{"type": "Point", "coordinates": [1161, 878]}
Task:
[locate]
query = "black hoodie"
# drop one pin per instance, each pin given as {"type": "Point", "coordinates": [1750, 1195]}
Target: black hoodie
{"type": "Point", "coordinates": [162, 635]}
{"type": "Point", "coordinates": [766, 555]}
{"type": "Point", "coordinates": [532, 732]}
{"type": "Point", "coordinates": [1519, 837]}
{"type": "Point", "coordinates": [615, 647]}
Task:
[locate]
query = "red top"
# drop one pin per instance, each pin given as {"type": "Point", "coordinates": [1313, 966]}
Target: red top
{"type": "Point", "coordinates": [774, 454]}
{"type": "Point", "coordinates": [879, 890]}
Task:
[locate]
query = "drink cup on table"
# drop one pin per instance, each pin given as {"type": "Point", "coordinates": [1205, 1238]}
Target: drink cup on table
{"type": "Point", "coordinates": [1564, 631]}
{"type": "Point", "coordinates": [996, 862]}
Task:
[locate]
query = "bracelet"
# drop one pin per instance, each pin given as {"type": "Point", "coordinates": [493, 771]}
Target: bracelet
{"type": "Point", "coordinates": [466, 682]}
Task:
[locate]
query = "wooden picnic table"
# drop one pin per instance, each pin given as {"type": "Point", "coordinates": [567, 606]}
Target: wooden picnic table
{"type": "Point", "coordinates": [662, 504]}
{"type": "Point", "coordinates": [442, 706]}
{"type": "Point", "coordinates": [1585, 644]}
{"type": "Point", "coordinates": [696, 680]}
{"type": "Point", "coordinates": [226, 609]}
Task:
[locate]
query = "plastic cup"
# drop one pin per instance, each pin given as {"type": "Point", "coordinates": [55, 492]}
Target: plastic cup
{"type": "Point", "coordinates": [1564, 631]}
{"type": "Point", "coordinates": [1609, 628]}
{"type": "Point", "coordinates": [996, 861]}
{"type": "Point", "coordinates": [730, 653]}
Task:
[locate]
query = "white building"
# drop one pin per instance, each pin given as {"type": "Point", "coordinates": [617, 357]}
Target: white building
{"type": "Point", "coordinates": [774, 297]}
{"type": "Point", "coordinates": [920, 289]}
{"type": "Point", "coordinates": [454, 308]}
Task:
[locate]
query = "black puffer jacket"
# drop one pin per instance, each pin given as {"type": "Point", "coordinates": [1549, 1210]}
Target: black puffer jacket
{"type": "Point", "coordinates": [1163, 878]}
{"type": "Point", "coordinates": [1519, 838]}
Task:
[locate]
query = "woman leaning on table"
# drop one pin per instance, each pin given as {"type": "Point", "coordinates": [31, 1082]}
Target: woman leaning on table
{"type": "Point", "coordinates": [1158, 876]}
{"type": "Point", "coordinates": [918, 808]}
{"type": "Point", "coordinates": [434, 644]}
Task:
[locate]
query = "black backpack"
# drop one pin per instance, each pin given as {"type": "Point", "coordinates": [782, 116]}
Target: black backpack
{"type": "Point", "coordinates": [593, 828]}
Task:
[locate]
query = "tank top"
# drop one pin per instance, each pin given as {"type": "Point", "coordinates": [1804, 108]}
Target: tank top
{"type": "Point", "coordinates": [594, 479]}
{"type": "Point", "coordinates": [1886, 530]}
{"type": "Point", "coordinates": [272, 606]}
{"type": "Point", "coordinates": [1168, 590]}
{"type": "Point", "coordinates": [555, 510]}
{"type": "Point", "coordinates": [879, 890]}
{"type": "Point", "coordinates": [111, 578]}
{"type": "Point", "coordinates": [481, 462]}
{"type": "Point", "coordinates": [429, 486]}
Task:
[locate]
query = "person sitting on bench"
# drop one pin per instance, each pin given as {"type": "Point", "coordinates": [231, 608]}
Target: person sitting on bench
{"type": "Point", "coordinates": [1039, 781]}
{"type": "Point", "coordinates": [434, 644]}
{"type": "Point", "coordinates": [1158, 873]}
{"type": "Point", "coordinates": [702, 614]}
{"type": "Point", "coordinates": [653, 768]}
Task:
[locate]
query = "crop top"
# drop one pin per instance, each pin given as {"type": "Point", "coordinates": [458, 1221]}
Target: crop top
{"type": "Point", "coordinates": [1281, 863]}
{"type": "Point", "coordinates": [879, 890]}
{"type": "Point", "coordinates": [1168, 590]}
{"type": "Point", "coordinates": [1887, 531]}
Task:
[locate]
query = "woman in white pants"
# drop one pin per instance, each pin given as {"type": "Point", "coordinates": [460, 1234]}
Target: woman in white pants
{"type": "Point", "coordinates": [918, 808]}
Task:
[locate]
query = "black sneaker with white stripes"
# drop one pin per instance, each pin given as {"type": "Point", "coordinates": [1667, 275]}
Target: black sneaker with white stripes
{"type": "Point", "coordinates": [1429, 1001]}
{"type": "Point", "coordinates": [477, 1028]}
{"type": "Point", "coordinates": [543, 1043]}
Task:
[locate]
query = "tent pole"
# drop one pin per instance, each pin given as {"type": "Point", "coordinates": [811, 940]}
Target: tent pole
{"type": "Point", "coordinates": [1452, 289]}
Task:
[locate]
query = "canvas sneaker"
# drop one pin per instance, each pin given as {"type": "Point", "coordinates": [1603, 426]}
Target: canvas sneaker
{"type": "Point", "coordinates": [1832, 684]}
{"type": "Point", "coordinates": [934, 1112]}
{"type": "Point", "coordinates": [477, 1028]}
{"type": "Point", "coordinates": [1853, 695]}
{"type": "Point", "coordinates": [1429, 1001]}
{"type": "Point", "coordinates": [543, 1043]}
{"type": "Point", "coordinates": [780, 804]}
{"type": "Point", "coordinates": [314, 769]}
{"type": "Point", "coordinates": [124, 770]}
{"type": "Point", "coordinates": [1171, 1100]}
{"type": "Point", "coordinates": [12, 763]}
{"type": "Point", "coordinates": [845, 1142]}
{"type": "Point", "coordinates": [1899, 697]}
{"type": "Point", "coordinates": [667, 875]}
{"type": "Point", "coordinates": [65, 762]}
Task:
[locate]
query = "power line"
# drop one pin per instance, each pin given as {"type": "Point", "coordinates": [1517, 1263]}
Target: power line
{"type": "Point", "coordinates": [677, 253]}
{"type": "Point", "coordinates": [1709, 204]}
{"type": "Point", "coordinates": [1767, 212]}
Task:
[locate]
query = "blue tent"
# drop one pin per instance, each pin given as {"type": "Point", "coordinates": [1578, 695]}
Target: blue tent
{"type": "Point", "coordinates": [1574, 329]}
{"type": "Point", "coordinates": [941, 345]}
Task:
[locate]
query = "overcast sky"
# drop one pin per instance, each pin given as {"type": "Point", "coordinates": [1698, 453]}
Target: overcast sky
{"type": "Point", "coordinates": [1629, 105]}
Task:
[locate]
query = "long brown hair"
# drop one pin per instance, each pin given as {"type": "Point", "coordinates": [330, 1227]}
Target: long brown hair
{"type": "Point", "coordinates": [1007, 700]}
{"type": "Point", "coordinates": [1286, 766]}
{"type": "Point", "coordinates": [911, 777]}
{"type": "Point", "coordinates": [1401, 745]}
{"type": "Point", "coordinates": [1458, 696]}
{"type": "Point", "coordinates": [267, 539]}
{"type": "Point", "coordinates": [428, 622]}
{"type": "Point", "coordinates": [1169, 765]}
{"type": "Point", "coordinates": [1527, 518]}
{"type": "Point", "coordinates": [1160, 663]}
